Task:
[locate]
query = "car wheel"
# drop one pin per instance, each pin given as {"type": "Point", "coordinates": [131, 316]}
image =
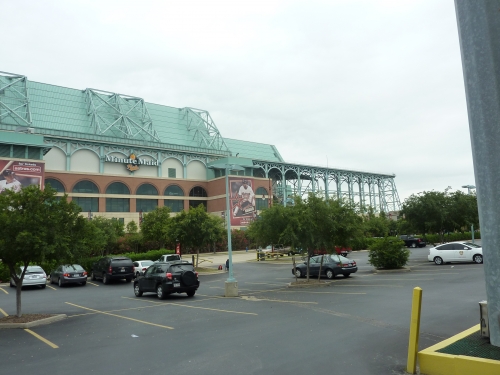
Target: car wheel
{"type": "Point", "coordinates": [413, 245]}
{"type": "Point", "coordinates": [128, 279]}
{"type": "Point", "coordinates": [137, 275]}
{"type": "Point", "coordinates": [137, 290]}
{"type": "Point", "coordinates": [191, 293]}
{"type": "Point", "coordinates": [84, 283]}
{"type": "Point", "coordinates": [92, 276]}
{"type": "Point", "coordinates": [160, 292]}
{"type": "Point", "coordinates": [59, 282]}
{"type": "Point", "coordinates": [329, 274]}
{"type": "Point", "coordinates": [438, 261]}
{"type": "Point", "coordinates": [346, 275]}
{"type": "Point", "coordinates": [105, 279]}
{"type": "Point", "coordinates": [478, 258]}
{"type": "Point", "coordinates": [298, 273]}
{"type": "Point", "coordinates": [43, 286]}
{"type": "Point", "coordinates": [11, 285]}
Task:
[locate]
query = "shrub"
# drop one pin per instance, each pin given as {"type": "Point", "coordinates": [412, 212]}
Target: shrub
{"type": "Point", "coordinates": [388, 253]}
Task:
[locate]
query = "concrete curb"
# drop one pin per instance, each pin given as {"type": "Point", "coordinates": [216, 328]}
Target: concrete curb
{"type": "Point", "coordinates": [399, 270]}
{"type": "Point", "coordinates": [40, 322]}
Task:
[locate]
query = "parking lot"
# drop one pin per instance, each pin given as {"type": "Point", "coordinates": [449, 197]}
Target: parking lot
{"type": "Point", "coordinates": [357, 325]}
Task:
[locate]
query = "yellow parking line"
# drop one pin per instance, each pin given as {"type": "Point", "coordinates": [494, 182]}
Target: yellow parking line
{"type": "Point", "coordinates": [197, 307]}
{"type": "Point", "coordinates": [42, 338]}
{"type": "Point", "coordinates": [3, 290]}
{"type": "Point", "coordinates": [91, 283]}
{"type": "Point", "coordinates": [119, 316]}
{"type": "Point", "coordinates": [4, 313]}
{"type": "Point", "coordinates": [51, 287]}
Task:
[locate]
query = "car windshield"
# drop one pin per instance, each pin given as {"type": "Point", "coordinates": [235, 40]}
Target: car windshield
{"type": "Point", "coordinates": [34, 269]}
{"type": "Point", "coordinates": [73, 267]}
{"type": "Point", "coordinates": [121, 263]}
{"type": "Point", "coordinates": [147, 263]}
{"type": "Point", "coordinates": [470, 244]}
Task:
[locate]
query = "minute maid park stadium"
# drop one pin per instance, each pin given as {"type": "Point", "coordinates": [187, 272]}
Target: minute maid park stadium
{"type": "Point", "coordinates": [118, 156]}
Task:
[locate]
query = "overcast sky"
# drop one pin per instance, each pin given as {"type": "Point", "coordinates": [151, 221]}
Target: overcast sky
{"type": "Point", "coordinates": [364, 85]}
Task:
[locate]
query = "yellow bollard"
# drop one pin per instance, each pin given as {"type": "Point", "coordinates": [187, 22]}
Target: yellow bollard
{"type": "Point", "coordinates": [416, 305]}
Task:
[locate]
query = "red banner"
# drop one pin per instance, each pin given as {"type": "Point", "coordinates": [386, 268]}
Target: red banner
{"type": "Point", "coordinates": [242, 201]}
{"type": "Point", "coordinates": [15, 174]}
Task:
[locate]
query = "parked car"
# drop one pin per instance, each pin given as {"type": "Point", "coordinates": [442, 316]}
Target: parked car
{"type": "Point", "coordinates": [411, 241]}
{"type": "Point", "coordinates": [141, 266]}
{"type": "Point", "coordinates": [69, 274]}
{"type": "Point", "coordinates": [109, 268]}
{"type": "Point", "coordinates": [277, 249]}
{"type": "Point", "coordinates": [332, 266]}
{"type": "Point", "coordinates": [35, 275]}
{"type": "Point", "coordinates": [169, 258]}
{"type": "Point", "coordinates": [167, 278]}
{"type": "Point", "coordinates": [461, 251]}
{"type": "Point", "coordinates": [344, 251]}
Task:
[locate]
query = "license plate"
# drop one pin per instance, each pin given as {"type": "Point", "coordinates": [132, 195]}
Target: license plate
{"type": "Point", "coordinates": [76, 275]}
{"type": "Point", "coordinates": [122, 270]}
{"type": "Point", "coordinates": [176, 285]}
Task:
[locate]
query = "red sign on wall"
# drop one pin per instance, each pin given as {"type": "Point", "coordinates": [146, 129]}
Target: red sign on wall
{"type": "Point", "coordinates": [15, 174]}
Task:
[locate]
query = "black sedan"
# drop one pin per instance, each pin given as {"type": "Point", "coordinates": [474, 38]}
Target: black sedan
{"type": "Point", "coordinates": [332, 266]}
{"type": "Point", "coordinates": [69, 274]}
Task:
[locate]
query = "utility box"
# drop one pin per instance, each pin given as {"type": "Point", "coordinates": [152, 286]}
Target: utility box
{"type": "Point", "coordinates": [483, 313]}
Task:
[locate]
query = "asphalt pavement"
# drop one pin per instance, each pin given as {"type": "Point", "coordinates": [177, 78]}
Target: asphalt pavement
{"type": "Point", "coordinates": [358, 325]}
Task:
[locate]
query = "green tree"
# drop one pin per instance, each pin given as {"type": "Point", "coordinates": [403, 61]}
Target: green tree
{"type": "Point", "coordinates": [156, 226]}
{"type": "Point", "coordinates": [132, 227]}
{"type": "Point", "coordinates": [35, 227]}
{"type": "Point", "coordinates": [108, 232]}
{"type": "Point", "coordinates": [196, 229]}
{"type": "Point", "coordinates": [376, 226]}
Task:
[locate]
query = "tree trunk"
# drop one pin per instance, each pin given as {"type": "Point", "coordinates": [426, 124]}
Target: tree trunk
{"type": "Point", "coordinates": [294, 268]}
{"type": "Point", "coordinates": [197, 255]}
{"type": "Point", "coordinates": [19, 285]}
{"type": "Point", "coordinates": [320, 266]}
{"type": "Point", "coordinates": [308, 258]}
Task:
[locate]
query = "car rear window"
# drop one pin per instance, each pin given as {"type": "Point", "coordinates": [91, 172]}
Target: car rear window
{"type": "Point", "coordinates": [181, 267]}
{"type": "Point", "coordinates": [121, 263]}
{"type": "Point", "coordinates": [147, 264]}
{"type": "Point", "coordinates": [73, 267]}
{"type": "Point", "coordinates": [32, 269]}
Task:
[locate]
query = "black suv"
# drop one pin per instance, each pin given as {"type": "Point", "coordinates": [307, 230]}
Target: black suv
{"type": "Point", "coordinates": [164, 278]}
{"type": "Point", "coordinates": [109, 269]}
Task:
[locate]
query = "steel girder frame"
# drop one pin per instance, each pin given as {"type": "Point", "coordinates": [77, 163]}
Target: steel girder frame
{"type": "Point", "coordinates": [119, 115]}
{"type": "Point", "coordinates": [205, 132]}
{"type": "Point", "coordinates": [366, 190]}
{"type": "Point", "coordinates": [14, 101]}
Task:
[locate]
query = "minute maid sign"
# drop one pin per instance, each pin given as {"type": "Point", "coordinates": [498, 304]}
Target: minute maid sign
{"type": "Point", "coordinates": [132, 163]}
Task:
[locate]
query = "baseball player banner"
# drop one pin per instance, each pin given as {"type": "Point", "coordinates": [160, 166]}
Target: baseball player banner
{"type": "Point", "coordinates": [242, 201]}
{"type": "Point", "coordinates": [15, 174]}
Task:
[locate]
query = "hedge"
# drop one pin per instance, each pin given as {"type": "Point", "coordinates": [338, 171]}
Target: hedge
{"type": "Point", "coordinates": [388, 253]}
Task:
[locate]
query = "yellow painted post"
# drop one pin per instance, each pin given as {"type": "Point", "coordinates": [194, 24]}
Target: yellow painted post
{"type": "Point", "coordinates": [416, 304]}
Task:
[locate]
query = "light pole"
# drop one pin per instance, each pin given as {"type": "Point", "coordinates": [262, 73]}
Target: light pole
{"type": "Point", "coordinates": [469, 187]}
{"type": "Point", "coordinates": [231, 285]}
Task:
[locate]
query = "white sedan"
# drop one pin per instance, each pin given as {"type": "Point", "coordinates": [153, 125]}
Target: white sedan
{"type": "Point", "coordinates": [456, 252]}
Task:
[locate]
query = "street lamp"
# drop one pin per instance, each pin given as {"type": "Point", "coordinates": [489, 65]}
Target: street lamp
{"type": "Point", "coordinates": [231, 285]}
{"type": "Point", "coordinates": [468, 187]}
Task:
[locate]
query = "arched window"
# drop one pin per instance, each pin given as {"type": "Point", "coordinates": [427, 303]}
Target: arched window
{"type": "Point", "coordinates": [54, 184]}
{"type": "Point", "coordinates": [86, 186]}
{"type": "Point", "coordinates": [261, 191]}
{"type": "Point", "coordinates": [117, 188]}
{"type": "Point", "coordinates": [198, 191]}
{"type": "Point", "coordinates": [174, 190]}
{"type": "Point", "coordinates": [117, 204]}
{"type": "Point", "coordinates": [147, 189]}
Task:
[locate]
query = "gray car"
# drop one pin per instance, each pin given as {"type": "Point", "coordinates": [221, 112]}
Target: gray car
{"type": "Point", "coordinates": [69, 274]}
{"type": "Point", "coordinates": [331, 266]}
{"type": "Point", "coordinates": [35, 275]}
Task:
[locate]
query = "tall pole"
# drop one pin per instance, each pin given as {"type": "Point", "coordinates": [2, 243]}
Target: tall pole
{"type": "Point", "coordinates": [479, 34]}
{"type": "Point", "coordinates": [228, 218]}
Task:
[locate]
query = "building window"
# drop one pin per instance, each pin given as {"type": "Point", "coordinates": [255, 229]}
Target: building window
{"type": "Point", "coordinates": [117, 205]}
{"type": "Point", "coordinates": [174, 190]}
{"type": "Point", "coordinates": [86, 186]}
{"type": "Point", "coordinates": [146, 205]}
{"type": "Point", "coordinates": [87, 203]}
{"type": "Point", "coordinates": [19, 152]}
{"type": "Point", "coordinates": [198, 203]}
{"type": "Point", "coordinates": [172, 173]}
{"type": "Point", "coordinates": [261, 204]}
{"type": "Point", "coordinates": [147, 189]}
{"type": "Point", "coordinates": [5, 151]}
{"type": "Point", "coordinates": [261, 191]}
{"type": "Point", "coordinates": [117, 188]}
{"type": "Point", "coordinates": [198, 191]}
{"type": "Point", "coordinates": [54, 184]}
{"type": "Point", "coordinates": [174, 205]}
